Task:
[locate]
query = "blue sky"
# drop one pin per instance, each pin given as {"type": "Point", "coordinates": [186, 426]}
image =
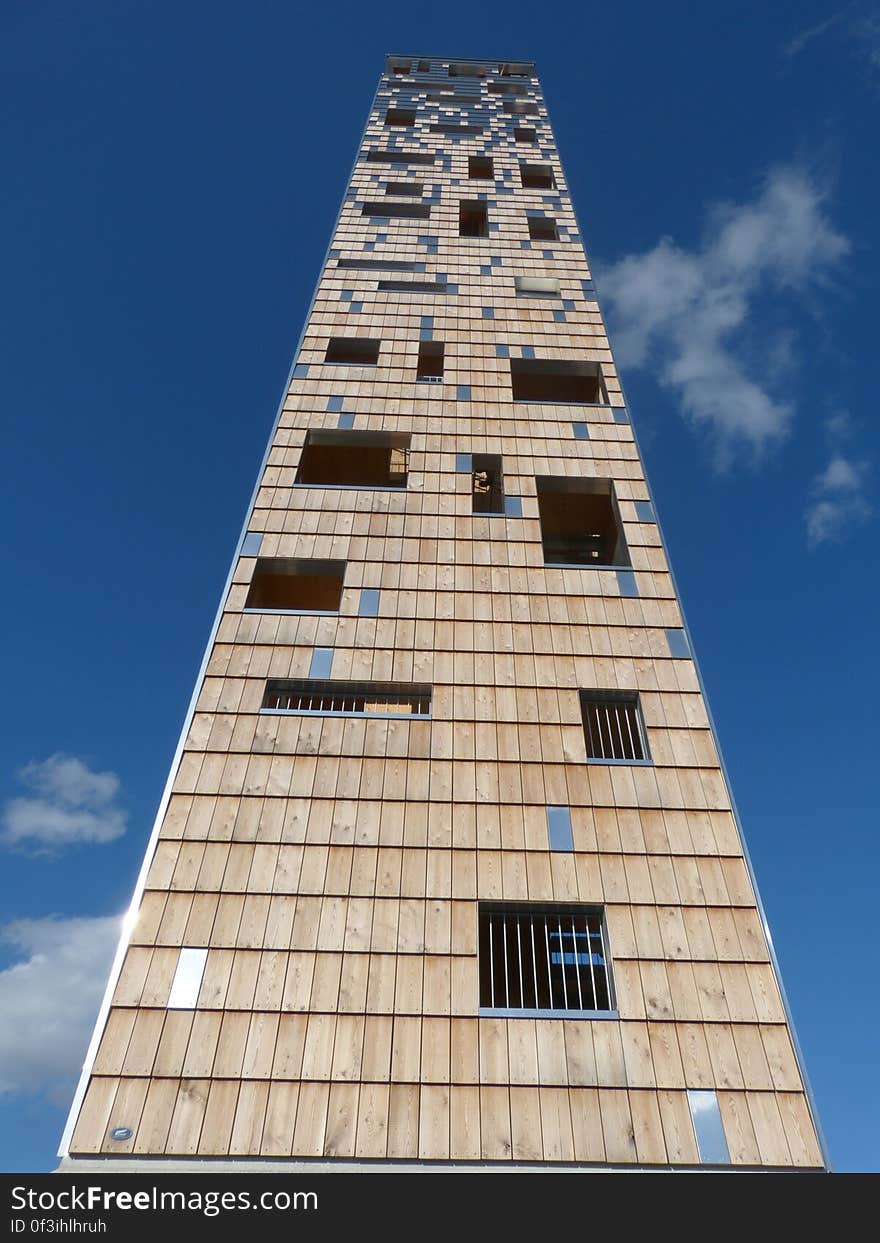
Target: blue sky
{"type": "Point", "coordinates": [171, 175]}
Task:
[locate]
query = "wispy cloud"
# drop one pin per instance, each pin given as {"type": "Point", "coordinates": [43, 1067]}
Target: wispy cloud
{"type": "Point", "coordinates": [796, 45]}
{"type": "Point", "coordinates": [49, 1000]}
{"type": "Point", "coordinates": [68, 803]}
{"type": "Point", "coordinates": [684, 312]}
{"type": "Point", "coordinates": [852, 23]}
{"type": "Point", "coordinates": [838, 499]}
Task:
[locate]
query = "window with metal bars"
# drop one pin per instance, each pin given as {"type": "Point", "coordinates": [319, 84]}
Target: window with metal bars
{"type": "Point", "coordinates": [322, 698]}
{"type": "Point", "coordinates": [544, 959]}
{"type": "Point", "coordinates": [613, 727]}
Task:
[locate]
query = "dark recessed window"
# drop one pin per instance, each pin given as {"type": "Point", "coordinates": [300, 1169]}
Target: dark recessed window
{"type": "Point", "coordinates": [613, 726]}
{"type": "Point", "coordinates": [523, 134]}
{"type": "Point", "coordinates": [320, 698]}
{"type": "Point", "coordinates": [430, 365]}
{"type": "Point", "coordinates": [296, 584]}
{"type": "Point", "coordinates": [473, 218]}
{"type": "Point", "coordinates": [356, 351]}
{"type": "Point", "coordinates": [542, 229]}
{"type": "Point", "coordinates": [417, 211]}
{"type": "Point", "coordinates": [404, 189]}
{"type": "Point", "coordinates": [466, 69]}
{"type": "Point", "coordinates": [537, 176]}
{"type": "Point", "coordinates": [557, 381]}
{"type": "Point", "coordinates": [516, 69]}
{"type": "Point", "coordinates": [487, 484]}
{"type": "Point", "coordinates": [350, 459]}
{"type": "Point", "coordinates": [580, 522]}
{"type": "Point", "coordinates": [420, 287]}
{"type": "Point", "coordinates": [544, 959]}
{"type": "Point", "coordinates": [447, 127]}
{"type": "Point", "coordinates": [399, 157]}
{"type": "Point", "coordinates": [390, 265]}
{"type": "Point", "coordinates": [520, 107]}
{"type": "Point", "coordinates": [400, 116]}
{"type": "Point", "coordinates": [480, 168]}
{"type": "Point", "coordinates": [507, 88]}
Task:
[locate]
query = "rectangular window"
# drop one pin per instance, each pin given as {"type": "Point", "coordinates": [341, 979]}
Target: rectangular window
{"type": "Point", "coordinates": [524, 134]}
{"type": "Point", "coordinates": [520, 107]}
{"type": "Point", "coordinates": [448, 127]}
{"type": "Point", "coordinates": [355, 351]}
{"type": "Point", "coordinates": [187, 980]}
{"type": "Point", "coordinates": [422, 287]}
{"type": "Point", "coordinates": [399, 157]}
{"type": "Point", "coordinates": [543, 229]}
{"type": "Point", "coordinates": [480, 168]}
{"type": "Point", "coordinates": [296, 585]}
{"type": "Point", "coordinates": [708, 1127]}
{"type": "Point", "coordinates": [413, 189]}
{"type": "Point", "coordinates": [516, 69]}
{"type": "Point", "coordinates": [580, 521]}
{"type": "Point", "coordinates": [537, 176]}
{"type": "Point", "coordinates": [349, 459]}
{"type": "Point", "coordinates": [367, 265]}
{"type": "Point", "coordinates": [400, 116]}
{"type": "Point", "coordinates": [559, 381]}
{"type": "Point", "coordinates": [466, 69]}
{"type": "Point", "coordinates": [544, 960]}
{"type": "Point", "coordinates": [417, 211]}
{"type": "Point", "coordinates": [487, 484]}
{"type": "Point", "coordinates": [473, 218]}
{"type": "Point", "coordinates": [401, 66]}
{"type": "Point", "coordinates": [613, 726]}
{"type": "Point", "coordinates": [322, 698]}
{"type": "Point", "coordinates": [537, 286]}
{"type": "Point", "coordinates": [430, 365]}
{"type": "Point", "coordinates": [507, 88]}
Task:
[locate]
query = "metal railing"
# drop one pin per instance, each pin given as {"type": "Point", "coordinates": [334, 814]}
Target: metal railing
{"type": "Point", "coordinates": [544, 958]}
{"type": "Point", "coordinates": [613, 726]}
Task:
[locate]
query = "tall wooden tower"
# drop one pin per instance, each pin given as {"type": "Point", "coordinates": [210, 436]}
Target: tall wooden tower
{"type": "Point", "coordinates": [447, 870]}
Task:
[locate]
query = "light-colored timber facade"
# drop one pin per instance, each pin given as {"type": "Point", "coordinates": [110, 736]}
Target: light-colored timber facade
{"type": "Point", "coordinates": [329, 862]}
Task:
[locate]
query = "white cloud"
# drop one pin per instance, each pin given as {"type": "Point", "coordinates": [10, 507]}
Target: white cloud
{"type": "Point", "coordinates": [70, 803]}
{"type": "Point", "coordinates": [800, 41]}
{"type": "Point", "coordinates": [838, 500]}
{"type": "Point", "coordinates": [683, 313]}
{"type": "Point", "coordinates": [49, 1000]}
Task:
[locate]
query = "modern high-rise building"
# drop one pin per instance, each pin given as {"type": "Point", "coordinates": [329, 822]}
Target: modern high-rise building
{"type": "Point", "coordinates": [447, 870]}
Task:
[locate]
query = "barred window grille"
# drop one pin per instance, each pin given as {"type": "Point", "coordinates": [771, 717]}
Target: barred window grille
{"type": "Point", "coordinates": [308, 695]}
{"type": "Point", "coordinates": [613, 726]}
{"type": "Point", "coordinates": [544, 958]}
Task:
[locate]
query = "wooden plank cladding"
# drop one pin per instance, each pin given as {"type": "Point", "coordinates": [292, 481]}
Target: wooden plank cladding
{"type": "Point", "coordinates": [414, 714]}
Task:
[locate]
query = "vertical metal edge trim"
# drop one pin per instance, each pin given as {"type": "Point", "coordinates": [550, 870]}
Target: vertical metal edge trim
{"type": "Point", "coordinates": [152, 842]}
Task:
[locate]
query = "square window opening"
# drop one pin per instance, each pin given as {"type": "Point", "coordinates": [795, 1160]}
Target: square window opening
{"type": "Point", "coordinates": [537, 176]}
{"type": "Point", "coordinates": [355, 351]}
{"type": "Point", "coordinates": [557, 380]}
{"type": "Point", "coordinates": [523, 133]}
{"type": "Point", "coordinates": [613, 726]}
{"type": "Point", "coordinates": [543, 229]}
{"type": "Point", "coordinates": [580, 522]}
{"type": "Point", "coordinates": [480, 168]}
{"type": "Point", "coordinates": [544, 958]}
{"type": "Point", "coordinates": [400, 116]}
{"type": "Point", "coordinates": [350, 459]}
{"type": "Point", "coordinates": [296, 584]}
